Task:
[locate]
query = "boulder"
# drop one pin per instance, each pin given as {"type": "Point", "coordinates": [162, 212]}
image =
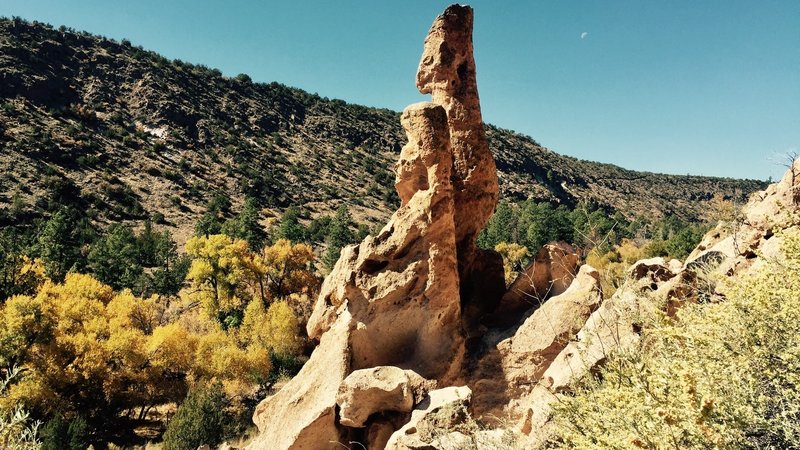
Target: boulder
{"type": "Point", "coordinates": [656, 270]}
{"type": "Point", "coordinates": [733, 246]}
{"type": "Point", "coordinates": [517, 357]}
{"type": "Point", "coordinates": [550, 328]}
{"type": "Point", "coordinates": [302, 414]}
{"type": "Point", "coordinates": [441, 405]}
{"type": "Point", "coordinates": [386, 388]}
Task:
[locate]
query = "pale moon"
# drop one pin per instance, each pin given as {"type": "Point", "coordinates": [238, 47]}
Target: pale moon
{"type": "Point", "coordinates": [584, 34]}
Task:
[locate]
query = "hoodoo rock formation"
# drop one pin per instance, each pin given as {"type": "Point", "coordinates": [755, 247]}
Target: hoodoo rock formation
{"type": "Point", "coordinates": [399, 298]}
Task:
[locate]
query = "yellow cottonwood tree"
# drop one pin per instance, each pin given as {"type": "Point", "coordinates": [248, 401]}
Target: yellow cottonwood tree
{"type": "Point", "coordinates": [220, 270]}
{"type": "Point", "coordinates": [82, 348]}
{"type": "Point", "coordinates": [275, 328]}
{"type": "Point", "coordinates": [288, 269]}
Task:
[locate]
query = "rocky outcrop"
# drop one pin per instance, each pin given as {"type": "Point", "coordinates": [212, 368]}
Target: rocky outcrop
{"type": "Point", "coordinates": [549, 329]}
{"type": "Point", "coordinates": [516, 359]}
{"type": "Point", "coordinates": [390, 301]}
{"type": "Point", "coordinates": [447, 72]}
{"type": "Point", "coordinates": [592, 329]}
{"type": "Point", "coordinates": [657, 286]}
{"type": "Point", "coordinates": [735, 244]}
{"type": "Point", "coordinates": [401, 287]}
{"type": "Point", "coordinates": [419, 305]}
{"type": "Point", "coordinates": [302, 414]}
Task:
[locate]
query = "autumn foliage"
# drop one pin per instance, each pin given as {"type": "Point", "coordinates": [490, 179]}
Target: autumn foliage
{"type": "Point", "coordinates": [107, 355]}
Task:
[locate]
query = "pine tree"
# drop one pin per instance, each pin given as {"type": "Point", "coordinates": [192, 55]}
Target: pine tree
{"type": "Point", "coordinates": [60, 241]}
{"type": "Point", "coordinates": [114, 259]}
{"type": "Point", "coordinates": [245, 226]}
{"type": "Point", "coordinates": [340, 234]}
{"type": "Point", "coordinates": [290, 227]}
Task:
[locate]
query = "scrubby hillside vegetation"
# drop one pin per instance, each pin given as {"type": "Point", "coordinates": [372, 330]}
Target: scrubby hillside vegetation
{"type": "Point", "coordinates": [126, 134]}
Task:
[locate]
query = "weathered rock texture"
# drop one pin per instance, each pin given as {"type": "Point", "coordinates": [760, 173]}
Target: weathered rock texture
{"type": "Point", "coordinates": [391, 301]}
{"type": "Point", "coordinates": [447, 72]}
{"type": "Point", "coordinates": [302, 414]}
{"type": "Point", "coordinates": [549, 329]}
{"type": "Point", "coordinates": [450, 401]}
{"type": "Point", "coordinates": [396, 299]}
{"type": "Point", "coordinates": [735, 244]}
{"type": "Point", "coordinates": [421, 300]}
{"type": "Point", "coordinates": [513, 365]}
{"type": "Point", "coordinates": [734, 247]}
{"type": "Point", "coordinates": [401, 287]}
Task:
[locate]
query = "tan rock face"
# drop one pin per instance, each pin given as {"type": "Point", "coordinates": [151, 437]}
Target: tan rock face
{"type": "Point", "coordinates": [549, 274]}
{"type": "Point", "coordinates": [302, 414]}
{"type": "Point", "coordinates": [412, 297]}
{"type": "Point", "coordinates": [732, 247]}
{"type": "Point", "coordinates": [447, 399]}
{"type": "Point", "coordinates": [515, 363]}
{"type": "Point", "coordinates": [401, 287]}
{"type": "Point", "coordinates": [392, 300]}
{"type": "Point", "coordinates": [550, 328]}
{"type": "Point", "coordinates": [656, 285]}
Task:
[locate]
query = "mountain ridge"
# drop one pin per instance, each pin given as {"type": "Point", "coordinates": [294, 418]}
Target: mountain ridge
{"type": "Point", "coordinates": [136, 135]}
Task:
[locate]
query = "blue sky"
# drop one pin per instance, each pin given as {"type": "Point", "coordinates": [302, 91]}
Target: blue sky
{"type": "Point", "coordinates": [702, 87]}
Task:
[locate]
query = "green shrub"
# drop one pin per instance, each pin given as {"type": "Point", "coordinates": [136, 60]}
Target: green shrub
{"type": "Point", "coordinates": [201, 419]}
{"type": "Point", "coordinates": [61, 434]}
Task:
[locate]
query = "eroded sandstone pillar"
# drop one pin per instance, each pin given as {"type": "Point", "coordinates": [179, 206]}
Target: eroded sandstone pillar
{"type": "Point", "coordinates": [447, 72]}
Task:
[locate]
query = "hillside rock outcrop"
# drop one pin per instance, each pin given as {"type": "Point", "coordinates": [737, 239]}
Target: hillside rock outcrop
{"type": "Point", "coordinates": [735, 244]}
{"type": "Point", "coordinates": [420, 306]}
{"type": "Point", "coordinates": [386, 388]}
{"type": "Point", "coordinates": [447, 403]}
{"type": "Point", "coordinates": [549, 329]}
{"type": "Point", "coordinates": [655, 286]}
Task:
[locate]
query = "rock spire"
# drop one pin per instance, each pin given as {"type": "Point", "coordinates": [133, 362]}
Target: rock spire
{"type": "Point", "coordinates": [407, 298]}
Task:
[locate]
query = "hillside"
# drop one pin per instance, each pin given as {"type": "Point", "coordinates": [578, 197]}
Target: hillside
{"type": "Point", "coordinates": [127, 134]}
